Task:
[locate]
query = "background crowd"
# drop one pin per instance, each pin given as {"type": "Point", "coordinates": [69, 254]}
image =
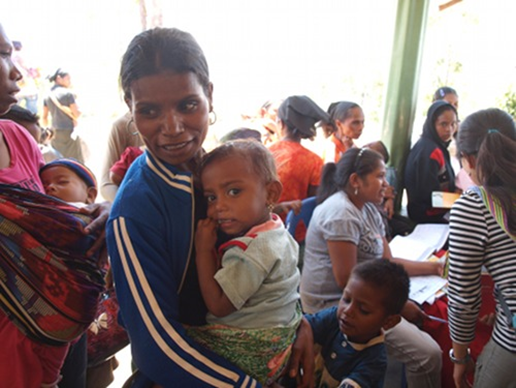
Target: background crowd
{"type": "Point", "coordinates": [185, 223]}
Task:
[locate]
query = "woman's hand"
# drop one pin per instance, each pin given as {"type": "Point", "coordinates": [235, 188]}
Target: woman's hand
{"type": "Point", "coordinates": [437, 267]}
{"type": "Point", "coordinates": [461, 373]}
{"type": "Point", "coordinates": [412, 313]}
{"type": "Point", "coordinates": [100, 214]}
{"type": "Point", "coordinates": [488, 319]}
{"type": "Point", "coordinates": [302, 358]}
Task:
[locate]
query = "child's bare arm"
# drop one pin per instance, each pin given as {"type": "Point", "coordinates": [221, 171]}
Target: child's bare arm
{"type": "Point", "coordinates": [205, 238]}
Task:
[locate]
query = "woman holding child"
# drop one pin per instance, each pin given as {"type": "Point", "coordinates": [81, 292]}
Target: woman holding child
{"type": "Point", "coordinates": [346, 229]}
{"type": "Point", "coordinates": [165, 80]}
{"type": "Point", "coordinates": [483, 235]}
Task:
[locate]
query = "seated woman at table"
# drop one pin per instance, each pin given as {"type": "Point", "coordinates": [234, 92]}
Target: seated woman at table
{"type": "Point", "coordinates": [483, 234]}
{"type": "Point", "coordinates": [428, 165]}
{"type": "Point", "coordinates": [347, 229]}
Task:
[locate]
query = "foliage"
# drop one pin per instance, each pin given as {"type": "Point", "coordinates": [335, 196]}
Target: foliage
{"type": "Point", "coordinates": [508, 102]}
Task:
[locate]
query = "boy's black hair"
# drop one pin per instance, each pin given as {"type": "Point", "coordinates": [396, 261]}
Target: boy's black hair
{"type": "Point", "coordinates": [390, 277]}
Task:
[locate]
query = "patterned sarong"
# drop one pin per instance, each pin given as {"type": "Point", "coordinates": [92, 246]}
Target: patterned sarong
{"type": "Point", "coordinates": [261, 353]}
{"type": "Point", "coordinates": [48, 288]}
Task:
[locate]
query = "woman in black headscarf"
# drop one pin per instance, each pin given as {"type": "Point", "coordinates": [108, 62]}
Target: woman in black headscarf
{"type": "Point", "coordinates": [299, 169]}
{"type": "Point", "coordinates": [428, 165]}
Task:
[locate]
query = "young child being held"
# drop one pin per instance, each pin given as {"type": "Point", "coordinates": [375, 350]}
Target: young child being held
{"type": "Point", "coordinates": [351, 334]}
{"type": "Point", "coordinates": [70, 181]}
{"type": "Point", "coordinates": [250, 287]}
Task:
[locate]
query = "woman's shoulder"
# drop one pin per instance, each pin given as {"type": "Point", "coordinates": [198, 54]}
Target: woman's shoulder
{"type": "Point", "coordinates": [422, 146]}
{"type": "Point", "coordinates": [148, 180]}
{"type": "Point", "coordinates": [470, 199]}
{"type": "Point", "coordinates": [15, 133]}
{"type": "Point", "coordinates": [8, 126]}
{"type": "Point", "coordinates": [337, 206]}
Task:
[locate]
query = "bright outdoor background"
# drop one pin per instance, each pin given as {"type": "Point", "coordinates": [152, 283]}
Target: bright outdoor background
{"type": "Point", "coordinates": [259, 50]}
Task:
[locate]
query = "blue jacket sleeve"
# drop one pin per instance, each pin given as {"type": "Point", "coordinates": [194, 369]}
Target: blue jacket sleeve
{"type": "Point", "coordinates": [147, 282]}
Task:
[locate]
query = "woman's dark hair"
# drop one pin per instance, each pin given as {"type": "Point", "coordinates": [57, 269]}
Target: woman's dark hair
{"type": "Point", "coordinates": [300, 114]}
{"type": "Point", "coordinates": [490, 135]}
{"type": "Point", "coordinates": [339, 110]}
{"type": "Point", "coordinates": [58, 73]}
{"type": "Point", "coordinates": [160, 50]}
{"type": "Point", "coordinates": [335, 177]}
{"type": "Point", "coordinates": [256, 154]}
{"type": "Point", "coordinates": [18, 113]}
{"type": "Point", "coordinates": [442, 92]}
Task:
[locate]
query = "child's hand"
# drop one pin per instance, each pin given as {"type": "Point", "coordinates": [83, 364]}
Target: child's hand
{"type": "Point", "coordinates": [412, 313]}
{"type": "Point", "coordinates": [206, 236]}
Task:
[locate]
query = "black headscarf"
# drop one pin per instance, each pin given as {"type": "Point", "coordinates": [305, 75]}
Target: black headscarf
{"type": "Point", "coordinates": [429, 130]}
{"type": "Point", "coordinates": [300, 113]}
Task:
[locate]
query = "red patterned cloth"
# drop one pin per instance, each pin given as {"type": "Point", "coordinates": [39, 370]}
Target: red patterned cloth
{"type": "Point", "coordinates": [48, 288]}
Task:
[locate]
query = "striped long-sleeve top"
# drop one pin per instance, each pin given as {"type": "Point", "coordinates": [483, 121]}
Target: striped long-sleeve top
{"type": "Point", "coordinates": [477, 240]}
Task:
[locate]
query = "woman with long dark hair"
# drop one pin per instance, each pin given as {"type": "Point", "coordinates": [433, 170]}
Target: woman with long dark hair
{"type": "Point", "coordinates": [483, 235]}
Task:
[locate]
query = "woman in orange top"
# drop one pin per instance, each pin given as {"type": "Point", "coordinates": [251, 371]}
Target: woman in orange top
{"type": "Point", "coordinates": [299, 169]}
{"type": "Point", "coordinates": [345, 124]}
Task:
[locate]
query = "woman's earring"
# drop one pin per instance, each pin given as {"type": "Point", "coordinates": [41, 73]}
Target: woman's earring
{"type": "Point", "coordinates": [212, 117]}
{"type": "Point", "coordinates": [270, 206]}
{"type": "Point", "coordinates": [356, 190]}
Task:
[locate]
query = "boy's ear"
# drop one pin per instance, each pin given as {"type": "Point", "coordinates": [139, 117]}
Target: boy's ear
{"type": "Point", "coordinates": [391, 321]}
{"type": "Point", "coordinates": [274, 189]}
{"type": "Point", "coordinates": [92, 195]}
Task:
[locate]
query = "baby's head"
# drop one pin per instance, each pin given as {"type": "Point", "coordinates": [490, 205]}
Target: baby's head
{"type": "Point", "coordinates": [241, 185]}
{"type": "Point", "coordinates": [373, 299]}
{"type": "Point", "coordinates": [69, 180]}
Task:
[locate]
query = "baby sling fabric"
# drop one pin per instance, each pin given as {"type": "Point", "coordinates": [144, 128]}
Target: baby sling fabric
{"type": "Point", "coordinates": [48, 288]}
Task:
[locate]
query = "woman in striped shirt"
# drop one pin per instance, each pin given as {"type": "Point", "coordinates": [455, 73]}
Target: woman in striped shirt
{"type": "Point", "coordinates": [483, 234]}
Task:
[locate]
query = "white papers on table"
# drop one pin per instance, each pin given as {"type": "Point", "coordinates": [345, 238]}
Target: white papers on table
{"type": "Point", "coordinates": [424, 288]}
{"type": "Point", "coordinates": [421, 243]}
{"type": "Point", "coordinates": [419, 246]}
